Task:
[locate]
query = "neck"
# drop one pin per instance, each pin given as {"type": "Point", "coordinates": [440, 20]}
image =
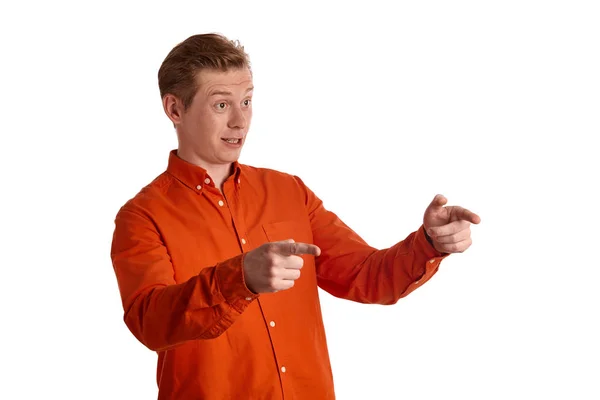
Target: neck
{"type": "Point", "coordinates": [217, 172]}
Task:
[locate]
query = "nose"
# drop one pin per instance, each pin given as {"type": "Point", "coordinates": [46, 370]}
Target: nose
{"type": "Point", "coordinates": [237, 119]}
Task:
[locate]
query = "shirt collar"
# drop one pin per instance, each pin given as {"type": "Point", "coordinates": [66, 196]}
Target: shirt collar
{"type": "Point", "coordinates": [194, 176]}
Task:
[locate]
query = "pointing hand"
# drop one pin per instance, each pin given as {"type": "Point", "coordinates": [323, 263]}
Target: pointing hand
{"type": "Point", "coordinates": [449, 227]}
{"type": "Point", "coordinates": [275, 266]}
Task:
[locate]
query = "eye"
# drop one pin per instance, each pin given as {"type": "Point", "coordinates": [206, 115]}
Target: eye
{"type": "Point", "coordinates": [221, 106]}
{"type": "Point", "coordinates": [247, 102]}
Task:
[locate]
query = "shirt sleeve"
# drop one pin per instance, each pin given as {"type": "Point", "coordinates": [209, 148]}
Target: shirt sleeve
{"type": "Point", "coordinates": [351, 269]}
{"type": "Point", "coordinates": [160, 312]}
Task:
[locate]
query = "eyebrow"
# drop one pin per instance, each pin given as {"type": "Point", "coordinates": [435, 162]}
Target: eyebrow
{"type": "Point", "coordinates": [225, 93]}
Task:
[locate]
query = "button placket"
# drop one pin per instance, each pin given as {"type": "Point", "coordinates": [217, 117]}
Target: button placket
{"type": "Point", "coordinates": [234, 205]}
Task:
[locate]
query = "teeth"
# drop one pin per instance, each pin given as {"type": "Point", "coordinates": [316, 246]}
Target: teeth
{"type": "Point", "coordinates": [232, 140]}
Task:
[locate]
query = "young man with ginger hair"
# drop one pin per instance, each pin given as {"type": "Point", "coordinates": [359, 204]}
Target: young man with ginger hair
{"type": "Point", "coordinates": [218, 263]}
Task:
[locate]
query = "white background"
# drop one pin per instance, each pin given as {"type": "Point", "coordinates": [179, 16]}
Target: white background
{"type": "Point", "coordinates": [377, 107]}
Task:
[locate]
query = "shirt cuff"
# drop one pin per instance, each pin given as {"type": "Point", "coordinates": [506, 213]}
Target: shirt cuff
{"type": "Point", "coordinates": [231, 283]}
{"type": "Point", "coordinates": [428, 260]}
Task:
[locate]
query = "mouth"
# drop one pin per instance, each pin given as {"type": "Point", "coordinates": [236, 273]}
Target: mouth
{"type": "Point", "coordinates": [232, 140]}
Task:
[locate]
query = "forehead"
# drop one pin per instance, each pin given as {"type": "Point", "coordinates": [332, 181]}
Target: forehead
{"type": "Point", "coordinates": [235, 79]}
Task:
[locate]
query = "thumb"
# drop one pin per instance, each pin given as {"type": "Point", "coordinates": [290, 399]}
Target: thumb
{"type": "Point", "coordinates": [438, 201]}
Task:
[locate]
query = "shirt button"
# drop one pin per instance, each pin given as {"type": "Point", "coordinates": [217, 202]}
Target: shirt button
{"type": "Point", "coordinates": [272, 323]}
{"type": "Point", "coordinates": [207, 181]}
{"type": "Point", "coordinates": [243, 241]}
{"type": "Point", "coordinates": [239, 181]}
{"type": "Point", "coordinates": [221, 203]}
{"type": "Point", "coordinates": [431, 261]}
{"type": "Point", "coordinates": [248, 298]}
{"type": "Point", "coordinates": [283, 369]}
{"type": "Point", "coordinates": [199, 187]}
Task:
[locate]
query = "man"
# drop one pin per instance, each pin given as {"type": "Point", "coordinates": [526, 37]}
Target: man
{"type": "Point", "coordinates": [218, 263]}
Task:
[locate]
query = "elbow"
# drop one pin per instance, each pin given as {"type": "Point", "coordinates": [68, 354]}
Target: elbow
{"type": "Point", "coordinates": [159, 335]}
{"type": "Point", "coordinates": [151, 338]}
{"type": "Point", "coordinates": [135, 324]}
{"type": "Point", "coordinates": [146, 326]}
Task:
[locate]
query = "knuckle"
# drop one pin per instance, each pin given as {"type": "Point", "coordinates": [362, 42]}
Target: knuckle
{"type": "Point", "coordinates": [269, 247]}
{"type": "Point", "coordinates": [275, 260]}
{"type": "Point", "coordinates": [270, 251]}
{"type": "Point", "coordinates": [272, 272]}
{"type": "Point", "coordinates": [269, 261]}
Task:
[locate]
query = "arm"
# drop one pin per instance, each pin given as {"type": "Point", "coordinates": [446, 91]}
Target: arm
{"type": "Point", "coordinates": [160, 313]}
{"type": "Point", "coordinates": [351, 269]}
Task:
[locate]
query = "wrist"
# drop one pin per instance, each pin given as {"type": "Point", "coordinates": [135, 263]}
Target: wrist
{"type": "Point", "coordinates": [428, 237]}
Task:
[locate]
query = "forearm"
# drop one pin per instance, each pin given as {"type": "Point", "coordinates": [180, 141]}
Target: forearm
{"type": "Point", "coordinates": [351, 269]}
{"type": "Point", "coordinates": [202, 308]}
{"type": "Point", "coordinates": [381, 276]}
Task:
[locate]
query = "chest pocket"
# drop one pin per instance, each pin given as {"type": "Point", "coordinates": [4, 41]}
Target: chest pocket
{"type": "Point", "coordinates": [291, 229]}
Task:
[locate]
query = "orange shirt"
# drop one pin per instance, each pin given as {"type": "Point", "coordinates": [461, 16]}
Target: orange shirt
{"type": "Point", "coordinates": [177, 253]}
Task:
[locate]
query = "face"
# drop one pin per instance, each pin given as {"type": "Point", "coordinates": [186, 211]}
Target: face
{"type": "Point", "coordinates": [213, 129]}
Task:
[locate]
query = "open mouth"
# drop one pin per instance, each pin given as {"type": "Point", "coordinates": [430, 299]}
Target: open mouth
{"type": "Point", "coordinates": [231, 141]}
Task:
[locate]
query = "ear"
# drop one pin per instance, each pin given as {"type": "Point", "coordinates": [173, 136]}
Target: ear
{"type": "Point", "coordinates": [173, 108]}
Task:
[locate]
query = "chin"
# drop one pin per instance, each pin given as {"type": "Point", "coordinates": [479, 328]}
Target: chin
{"type": "Point", "coordinates": [229, 158]}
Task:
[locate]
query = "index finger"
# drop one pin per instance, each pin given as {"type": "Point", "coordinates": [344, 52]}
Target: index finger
{"type": "Point", "coordinates": [468, 215]}
{"type": "Point", "coordinates": [296, 248]}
